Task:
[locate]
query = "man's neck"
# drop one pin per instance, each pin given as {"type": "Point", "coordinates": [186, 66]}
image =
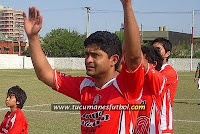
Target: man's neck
{"type": "Point", "coordinates": [164, 61]}
{"type": "Point", "coordinates": [102, 80]}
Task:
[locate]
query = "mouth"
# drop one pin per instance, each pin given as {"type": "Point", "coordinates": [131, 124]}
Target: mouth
{"type": "Point", "coordinates": [89, 67]}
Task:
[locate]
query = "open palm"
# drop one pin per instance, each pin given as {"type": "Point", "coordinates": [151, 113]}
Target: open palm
{"type": "Point", "coordinates": [33, 23]}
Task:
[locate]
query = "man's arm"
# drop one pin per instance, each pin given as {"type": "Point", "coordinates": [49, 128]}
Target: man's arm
{"type": "Point", "coordinates": [132, 45]}
{"type": "Point", "coordinates": [33, 24]}
{"type": "Point", "coordinates": [196, 75]}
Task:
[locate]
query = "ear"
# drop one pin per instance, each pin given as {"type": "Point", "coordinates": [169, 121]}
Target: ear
{"type": "Point", "coordinates": [120, 65]}
{"type": "Point", "coordinates": [18, 102]}
{"type": "Point", "coordinates": [113, 60]}
{"type": "Point", "coordinates": [154, 64]}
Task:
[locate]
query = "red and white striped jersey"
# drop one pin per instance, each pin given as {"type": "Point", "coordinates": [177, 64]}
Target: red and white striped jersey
{"type": "Point", "coordinates": [126, 88]}
{"type": "Point", "coordinates": [148, 121]}
{"type": "Point", "coordinates": [14, 123]}
{"type": "Point", "coordinates": [171, 84]}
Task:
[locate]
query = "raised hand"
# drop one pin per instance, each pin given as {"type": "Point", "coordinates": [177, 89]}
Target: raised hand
{"type": "Point", "coordinates": [33, 23]}
{"type": "Point", "coordinates": [126, 2]}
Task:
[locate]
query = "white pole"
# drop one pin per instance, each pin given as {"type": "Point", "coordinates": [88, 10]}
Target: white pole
{"type": "Point", "coordinates": [88, 21]}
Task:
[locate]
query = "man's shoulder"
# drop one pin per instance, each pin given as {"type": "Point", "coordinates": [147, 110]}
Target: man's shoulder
{"type": "Point", "coordinates": [20, 114]}
{"type": "Point", "coordinates": [19, 118]}
{"type": "Point", "coordinates": [7, 114]}
{"type": "Point", "coordinates": [168, 67]}
{"type": "Point", "coordinates": [66, 76]}
{"type": "Point", "coordinates": [153, 75]}
{"type": "Point", "coordinates": [169, 71]}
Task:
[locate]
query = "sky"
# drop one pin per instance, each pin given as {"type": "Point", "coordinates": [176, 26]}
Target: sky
{"type": "Point", "coordinates": [176, 15]}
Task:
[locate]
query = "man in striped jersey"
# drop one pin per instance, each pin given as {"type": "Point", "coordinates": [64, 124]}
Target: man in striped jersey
{"type": "Point", "coordinates": [169, 72]}
{"type": "Point", "coordinates": [148, 120]}
{"type": "Point", "coordinates": [103, 86]}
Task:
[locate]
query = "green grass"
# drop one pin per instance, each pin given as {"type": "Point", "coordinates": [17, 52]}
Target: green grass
{"type": "Point", "coordinates": [40, 121]}
{"type": "Point", "coordinates": [186, 109]}
{"type": "Point", "coordinates": [43, 121]}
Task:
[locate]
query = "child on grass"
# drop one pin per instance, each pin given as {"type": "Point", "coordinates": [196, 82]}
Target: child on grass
{"type": "Point", "coordinates": [14, 121]}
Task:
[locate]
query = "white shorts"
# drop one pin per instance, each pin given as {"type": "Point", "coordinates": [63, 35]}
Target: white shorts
{"type": "Point", "coordinates": [198, 84]}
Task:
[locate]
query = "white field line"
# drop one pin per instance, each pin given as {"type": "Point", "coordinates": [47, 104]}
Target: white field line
{"type": "Point", "coordinates": [190, 121]}
{"type": "Point", "coordinates": [50, 111]}
{"type": "Point", "coordinates": [41, 105]}
{"type": "Point", "coordinates": [186, 99]}
{"type": "Point", "coordinates": [2, 109]}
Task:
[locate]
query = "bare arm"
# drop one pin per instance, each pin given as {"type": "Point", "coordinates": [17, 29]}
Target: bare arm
{"type": "Point", "coordinates": [33, 24]}
{"type": "Point", "coordinates": [132, 45]}
{"type": "Point", "coordinates": [196, 75]}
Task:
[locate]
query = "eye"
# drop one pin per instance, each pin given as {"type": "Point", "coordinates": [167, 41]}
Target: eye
{"type": "Point", "coordinates": [94, 55]}
{"type": "Point", "coordinates": [86, 54]}
{"type": "Point", "coordinates": [159, 49]}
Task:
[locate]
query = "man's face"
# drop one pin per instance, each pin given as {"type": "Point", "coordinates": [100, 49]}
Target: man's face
{"type": "Point", "coordinates": [160, 48]}
{"type": "Point", "coordinates": [96, 61]}
{"type": "Point", "coordinates": [163, 53]}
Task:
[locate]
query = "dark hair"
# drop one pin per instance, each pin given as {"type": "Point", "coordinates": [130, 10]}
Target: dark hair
{"type": "Point", "coordinates": [165, 43]}
{"type": "Point", "coordinates": [153, 55]}
{"type": "Point", "coordinates": [107, 42]}
{"type": "Point", "coordinates": [19, 94]}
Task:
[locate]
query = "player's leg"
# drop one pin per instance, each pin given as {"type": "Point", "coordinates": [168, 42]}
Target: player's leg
{"type": "Point", "coordinates": [199, 96]}
{"type": "Point", "coordinates": [199, 88]}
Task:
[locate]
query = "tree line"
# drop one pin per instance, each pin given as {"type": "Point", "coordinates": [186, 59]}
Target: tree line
{"type": "Point", "coordinates": [65, 43]}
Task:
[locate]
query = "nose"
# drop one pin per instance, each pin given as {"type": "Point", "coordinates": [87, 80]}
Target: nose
{"type": "Point", "coordinates": [88, 59]}
{"type": "Point", "coordinates": [7, 98]}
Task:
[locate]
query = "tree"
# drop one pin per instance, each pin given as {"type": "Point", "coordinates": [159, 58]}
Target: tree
{"type": "Point", "coordinates": [120, 34]}
{"type": "Point", "coordinates": [181, 51]}
{"type": "Point", "coordinates": [27, 52]}
{"type": "Point", "coordinates": [63, 43]}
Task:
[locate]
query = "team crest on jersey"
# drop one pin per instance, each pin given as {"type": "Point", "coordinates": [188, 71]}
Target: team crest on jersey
{"type": "Point", "coordinates": [96, 99]}
{"type": "Point", "coordinates": [142, 126]}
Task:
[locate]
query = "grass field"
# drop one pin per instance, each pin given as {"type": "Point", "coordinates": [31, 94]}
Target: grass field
{"type": "Point", "coordinates": [44, 121]}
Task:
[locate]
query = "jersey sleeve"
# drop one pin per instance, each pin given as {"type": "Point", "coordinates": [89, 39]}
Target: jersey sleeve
{"type": "Point", "coordinates": [171, 75]}
{"type": "Point", "coordinates": [3, 124]}
{"type": "Point", "coordinates": [131, 82]}
{"type": "Point", "coordinates": [155, 81]}
{"type": "Point", "coordinates": [68, 85]}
